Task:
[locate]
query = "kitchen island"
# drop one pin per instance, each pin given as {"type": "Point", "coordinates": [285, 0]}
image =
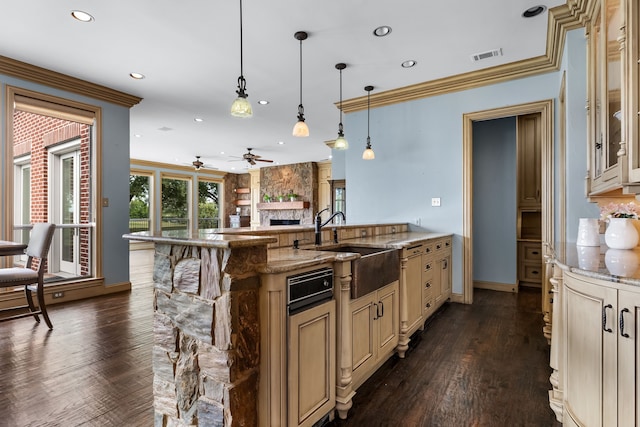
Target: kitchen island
{"type": "Point", "coordinates": [222, 331]}
{"type": "Point", "coordinates": [594, 339]}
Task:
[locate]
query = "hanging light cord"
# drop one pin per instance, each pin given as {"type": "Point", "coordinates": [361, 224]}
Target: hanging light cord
{"type": "Point", "coordinates": [300, 107]}
{"type": "Point", "coordinates": [368, 110]}
{"type": "Point", "coordinates": [340, 127]}
{"type": "Point", "coordinates": [242, 83]}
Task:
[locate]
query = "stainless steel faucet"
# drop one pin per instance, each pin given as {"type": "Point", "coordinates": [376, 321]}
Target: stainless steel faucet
{"type": "Point", "coordinates": [320, 224]}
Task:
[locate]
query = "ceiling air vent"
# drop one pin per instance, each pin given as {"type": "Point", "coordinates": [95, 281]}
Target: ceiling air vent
{"type": "Point", "coordinates": [485, 55]}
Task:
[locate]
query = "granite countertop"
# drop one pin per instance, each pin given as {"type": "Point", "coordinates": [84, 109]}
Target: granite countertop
{"type": "Point", "coordinates": [602, 262]}
{"type": "Point", "coordinates": [289, 259]}
{"type": "Point", "coordinates": [283, 259]}
{"type": "Point", "coordinates": [204, 238]}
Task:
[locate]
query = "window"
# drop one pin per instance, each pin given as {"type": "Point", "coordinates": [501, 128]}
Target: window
{"type": "Point", "coordinates": [53, 147]}
{"type": "Point", "coordinates": [139, 202]}
{"type": "Point", "coordinates": [175, 203]}
{"type": "Point", "coordinates": [208, 204]}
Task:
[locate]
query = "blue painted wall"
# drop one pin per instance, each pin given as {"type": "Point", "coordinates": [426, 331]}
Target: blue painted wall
{"type": "Point", "coordinates": [418, 146]}
{"type": "Point", "coordinates": [494, 201]}
{"type": "Point", "coordinates": [115, 176]}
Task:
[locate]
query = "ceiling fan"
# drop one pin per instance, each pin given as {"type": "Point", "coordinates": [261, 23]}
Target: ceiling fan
{"type": "Point", "coordinates": [252, 158]}
{"type": "Point", "coordinates": [198, 164]}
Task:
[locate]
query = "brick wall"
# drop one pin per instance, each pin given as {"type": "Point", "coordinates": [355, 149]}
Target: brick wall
{"type": "Point", "coordinates": [36, 135]}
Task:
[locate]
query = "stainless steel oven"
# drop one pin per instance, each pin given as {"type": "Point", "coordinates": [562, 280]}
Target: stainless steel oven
{"type": "Point", "coordinates": [309, 289]}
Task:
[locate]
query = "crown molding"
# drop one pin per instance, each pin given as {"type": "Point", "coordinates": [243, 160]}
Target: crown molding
{"type": "Point", "coordinates": [24, 71]}
{"type": "Point", "coordinates": [137, 163]}
{"type": "Point", "coordinates": [562, 18]}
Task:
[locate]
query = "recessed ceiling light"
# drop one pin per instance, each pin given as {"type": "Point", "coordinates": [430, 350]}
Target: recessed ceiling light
{"type": "Point", "coordinates": [137, 76]}
{"type": "Point", "coordinates": [280, 142]}
{"type": "Point", "coordinates": [233, 168]}
{"type": "Point", "coordinates": [382, 31]}
{"type": "Point", "coordinates": [81, 16]}
{"type": "Point", "coordinates": [534, 11]}
{"type": "Point", "coordinates": [137, 135]}
{"type": "Point", "coordinates": [222, 152]}
{"type": "Point", "coordinates": [198, 120]}
{"type": "Point", "coordinates": [263, 102]}
{"type": "Point", "coordinates": [408, 64]}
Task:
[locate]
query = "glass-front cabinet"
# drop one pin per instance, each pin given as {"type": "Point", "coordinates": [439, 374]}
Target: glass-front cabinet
{"type": "Point", "coordinates": [614, 87]}
{"type": "Point", "coordinates": [632, 101]}
{"type": "Point", "coordinates": [607, 145]}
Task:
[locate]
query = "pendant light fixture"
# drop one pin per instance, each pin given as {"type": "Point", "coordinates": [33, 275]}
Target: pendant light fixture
{"type": "Point", "coordinates": [300, 128]}
{"type": "Point", "coordinates": [368, 152]}
{"type": "Point", "coordinates": [340, 143]}
{"type": "Point", "coordinates": [241, 107]}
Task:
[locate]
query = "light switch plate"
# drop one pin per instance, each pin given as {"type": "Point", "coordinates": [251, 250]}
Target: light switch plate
{"type": "Point", "coordinates": [435, 201]}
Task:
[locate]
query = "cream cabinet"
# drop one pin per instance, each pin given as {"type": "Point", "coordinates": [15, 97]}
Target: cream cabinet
{"type": "Point", "coordinates": [411, 300]}
{"type": "Point", "coordinates": [312, 361]}
{"type": "Point", "coordinates": [375, 328]}
{"type": "Point", "coordinates": [529, 153]}
{"type": "Point", "coordinates": [442, 274]}
{"type": "Point", "coordinates": [324, 185]}
{"type": "Point", "coordinates": [613, 37]}
{"type": "Point", "coordinates": [600, 354]}
{"type": "Point", "coordinates": [297, 384]}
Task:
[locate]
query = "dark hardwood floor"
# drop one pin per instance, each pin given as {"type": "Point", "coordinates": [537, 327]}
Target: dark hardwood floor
{"type": "Point", "coordinates": [479, 365]}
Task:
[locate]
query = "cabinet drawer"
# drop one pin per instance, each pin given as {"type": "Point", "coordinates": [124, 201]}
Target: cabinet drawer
{"type": "Point", "coordinates": [531, 252]}
{"type": "Point", "coordinates": [428, 266]}
{"type": "Point", "coordinates": [442, 244]}
{"type": "Point", "coordinates": [412, 250]}
{"type": "Point", "coordinates": [429, 307]}
{"type": "Point", "coordinates": [531, 273]}
{"type": "Point", "coordinates": [429, 247]}
{"type": "Point", "coordinates": [427, 289]}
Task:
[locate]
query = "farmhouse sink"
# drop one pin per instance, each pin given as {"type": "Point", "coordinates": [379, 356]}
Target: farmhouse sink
{"type": "Point", "coordinates": [375, 268]}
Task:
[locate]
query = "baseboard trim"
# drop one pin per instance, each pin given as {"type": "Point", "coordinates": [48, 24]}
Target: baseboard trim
{"type": "Point", "coordinates": [70, 292]}
{"type": "Point", "coordinates": [494, 286]}
{"type": "Point", "coordinates": [459, 298]}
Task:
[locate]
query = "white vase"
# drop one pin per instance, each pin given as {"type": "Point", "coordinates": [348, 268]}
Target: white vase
{"type": "Point", "coordinates": [621, 234]}
{"type": "Point", "coordinates": [588, 232]}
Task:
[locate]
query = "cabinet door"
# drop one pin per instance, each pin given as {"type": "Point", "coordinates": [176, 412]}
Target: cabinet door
{"type": "Point", "coordinates": [445, 277]}
{"type": "Point", "coordinates": [590, 354]}
{"type": "Point", "coordinates": [387, 322]}
{"type": "Point", "coordinates": [413, 283]}
{"type": "Point", "coordinates": [312, 364]}
{"type": "Point", "coordinates": [363, 311]}
{"type": "Point", "coordinates": [628, 358]}
{"type": "Point", "coordinates": [529, 155]}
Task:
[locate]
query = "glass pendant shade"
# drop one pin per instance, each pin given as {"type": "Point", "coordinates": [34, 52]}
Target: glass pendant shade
{"type": "Point", "coordinates": [368, 154]}
{"type": "Point", "coordinates": [241, 107]}
{"type": "Point", "coordinates": [300, 129]}
{"type": "Point", "coordinates": [340, 143]}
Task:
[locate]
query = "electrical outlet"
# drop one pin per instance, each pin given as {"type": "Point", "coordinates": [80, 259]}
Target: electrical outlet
{"type": "Point", "coordinates": [435, 201]}
{"type": "Point", "coordinates": [58, 294]}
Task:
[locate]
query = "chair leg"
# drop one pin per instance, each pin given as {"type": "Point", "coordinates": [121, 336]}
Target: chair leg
{"type": "Point", "coordinates": [43, 308]}
{"type": "Point", "coordinates": [32, 307]}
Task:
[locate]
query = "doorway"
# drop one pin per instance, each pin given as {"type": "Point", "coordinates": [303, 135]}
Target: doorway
{"type": "Point", "coordinates": [545, 109]}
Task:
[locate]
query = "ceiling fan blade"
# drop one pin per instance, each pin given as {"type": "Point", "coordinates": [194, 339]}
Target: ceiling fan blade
{"type": "Point", "coordinates": [263, 160]}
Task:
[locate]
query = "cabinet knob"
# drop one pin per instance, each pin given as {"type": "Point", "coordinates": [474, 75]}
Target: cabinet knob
{"type": "Point", "coordinates": [427, 285]}
{"type": "Point", "coordinates": [428, 305]}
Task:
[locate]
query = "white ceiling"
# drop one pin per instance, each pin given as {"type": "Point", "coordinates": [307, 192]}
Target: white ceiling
{"type": "Point", "coordinates": [189, 52]}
